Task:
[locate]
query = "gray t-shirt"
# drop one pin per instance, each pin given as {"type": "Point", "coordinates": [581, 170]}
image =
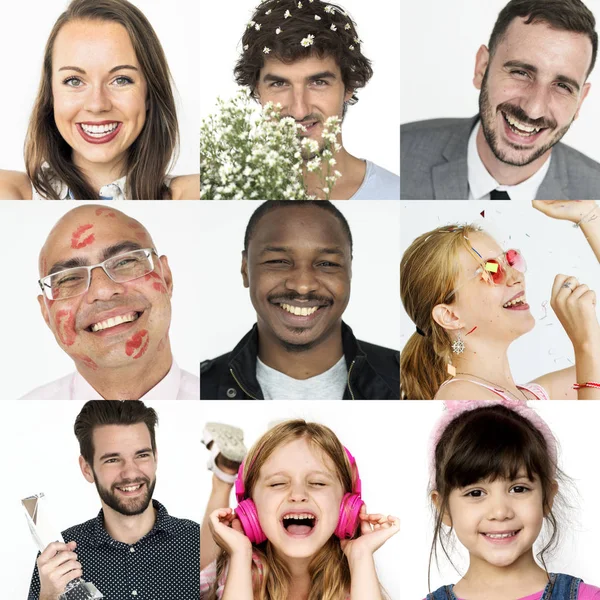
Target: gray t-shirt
{"type": "Point", "coordinates": [378, 184]}
{"type": "Point", "coordinates": [329, 385]}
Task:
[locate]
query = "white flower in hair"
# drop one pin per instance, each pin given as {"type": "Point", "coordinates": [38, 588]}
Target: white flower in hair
{"type": "Point", "coordinates": [351, 47]}
{"type": "Point", "coordinates": [287, 14]}
{"type": "Point", "coordinates": [308, 40]}
{"type": "Point", "coordinates": [278, 31]}
{"type": "Point", "coordinates": [250, 24]}
{"type": "Point", "coordinates": [269, 11]}
{"type": "Point", "coordinates": [266, 50]}
{"type": "Point", "coordinates": [329, 9]}
{"type": "Point", "coordinates": [246, 47]}
{"type": "Point", "coordinates": [333, 27]}
{"type": "Point", "coordinates": [347, 26]}
{"type": "Point", "coordinates": [317, 18]}
{"type": "Point", "coordinates": [299, 4]}
{"type": "Point", "coordinates": [257, 26]}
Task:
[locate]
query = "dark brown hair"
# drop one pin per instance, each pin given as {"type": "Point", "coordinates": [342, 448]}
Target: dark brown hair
{"type": "Point", "coordinates": [150, 156]}
{"type": "Point", "coordinates": [96, 413]}
{"type": "Point", "coordinates": [488, 443]}
{"type": "Point", "coordinates": [566, 15]}
{"type": "Point", "coordinates": [342, 43]}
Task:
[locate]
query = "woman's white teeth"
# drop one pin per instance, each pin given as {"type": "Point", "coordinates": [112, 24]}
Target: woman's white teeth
{"type": "Point", "coordinates": [301, 516]}
{"type": "Point", "coordinates": [521, 128]}
{"type": "Point", "coordinates": [114, 321]}
{"type": "Point", "coordinates": [519, 300]}
{"type": "Point", "coordinates": [99, 130]}
{"type": "Point", "coordinates": [300, 312]}
{"type": "Point", "coordinates": [131, 488]}
{"type": "Point", "coordinates": [500, 536]}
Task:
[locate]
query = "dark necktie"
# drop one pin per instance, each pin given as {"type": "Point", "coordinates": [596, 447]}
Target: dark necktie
{"type": "Point", "coordinates": [499, 195]}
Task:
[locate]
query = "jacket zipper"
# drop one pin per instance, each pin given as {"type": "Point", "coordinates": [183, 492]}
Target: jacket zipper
{"type": "Point", "coordinates": [242, 387]}
{"type": "Point", "coordinates": [349, 373]}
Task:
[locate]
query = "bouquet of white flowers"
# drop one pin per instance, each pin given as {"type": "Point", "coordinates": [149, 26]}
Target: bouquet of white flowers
{"type": "Point", "coordinates": [253, 154]}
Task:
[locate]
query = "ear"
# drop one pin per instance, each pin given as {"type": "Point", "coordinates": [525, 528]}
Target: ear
{"type": "Point", "coordinates": [482, 59]}
{"type": "Point", "coordinates": [550, 502]}
{"type": "Point", "coordinates": [437, 502]}
{"type": "Point", "coordinates": [584, 92]}
{"type": "Point", "coordinates": [348, 95]}
{"type": "Point", "coordinates": [167, 275]}
{"type": "Point", "coordinates": [42, 302]}
{"type": "Point", "coordinates": [86, 470]}
{"type": "Point", "coordinates": [446, 316]}
{"type": "Point", "coordinates": [244, 270]}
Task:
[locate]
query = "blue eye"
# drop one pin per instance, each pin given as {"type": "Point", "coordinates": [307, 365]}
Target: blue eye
{"type": "Point", "coordinates": [122, 80]}
{"type": "Point", "coordinates": [74, 82]}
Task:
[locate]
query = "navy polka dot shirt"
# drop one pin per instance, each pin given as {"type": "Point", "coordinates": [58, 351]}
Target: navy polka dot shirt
{"type": "Point", "coordinates": [163, 565]}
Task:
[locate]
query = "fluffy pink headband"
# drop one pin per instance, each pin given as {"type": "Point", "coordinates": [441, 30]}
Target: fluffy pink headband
{"type": "Point", "coordinates": [454, 408]}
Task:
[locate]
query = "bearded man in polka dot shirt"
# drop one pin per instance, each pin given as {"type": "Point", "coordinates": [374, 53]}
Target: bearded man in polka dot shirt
{"type": "Point", "coordinates": [133, 548]}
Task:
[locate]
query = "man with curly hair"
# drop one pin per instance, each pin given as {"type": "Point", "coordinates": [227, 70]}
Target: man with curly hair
{"type": "Point", "coordinates": [306, 55]}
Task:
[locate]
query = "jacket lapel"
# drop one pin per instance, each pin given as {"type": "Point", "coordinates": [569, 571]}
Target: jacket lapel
{"type": "Point", "coordinates": [556, 183]}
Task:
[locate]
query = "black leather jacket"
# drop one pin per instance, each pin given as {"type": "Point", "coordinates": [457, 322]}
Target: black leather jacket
{"type": "Point", "coordinates": [373, 371]}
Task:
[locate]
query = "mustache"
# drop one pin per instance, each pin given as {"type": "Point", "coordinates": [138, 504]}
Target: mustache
{"type": "Point", "coordinates": [128, 482]}
{"type": "Point", "coordinates": [291, 296]}
{"type": "Point", "coordinates": [309, 119]}
{"type": "Point", "coordinates": [518, 113]}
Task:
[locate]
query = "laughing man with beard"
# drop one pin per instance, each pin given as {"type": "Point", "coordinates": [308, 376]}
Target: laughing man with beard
{"type": "Point", "coordinates": [133, 548]}
{"type": "Point", "coordinates": [532, 77]}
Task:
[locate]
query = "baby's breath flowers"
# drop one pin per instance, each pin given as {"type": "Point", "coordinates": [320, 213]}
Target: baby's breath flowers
{"type": "Point", "coordinates": [246, 153]}
{"type": "Point", "coordinates": [308, 40]}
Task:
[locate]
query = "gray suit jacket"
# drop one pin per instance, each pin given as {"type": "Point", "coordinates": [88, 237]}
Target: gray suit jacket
{"type": "Point", "coordinates": [433, 165]}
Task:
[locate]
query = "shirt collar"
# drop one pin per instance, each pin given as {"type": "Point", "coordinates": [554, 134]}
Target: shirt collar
{"type": "Point", "coordinates": [481, 183]}
{"type": "Point", "coordinates": [166, 389]}
{"type": "Point", "coordinates": [164, 522]}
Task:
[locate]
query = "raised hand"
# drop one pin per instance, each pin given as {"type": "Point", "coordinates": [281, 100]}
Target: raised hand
{"type": "Point", "coordinates": [57, 565]}
{"type": "Point", "coordinates": [227, 532]}
{"type": "Point", "coordinates": [568, 210]}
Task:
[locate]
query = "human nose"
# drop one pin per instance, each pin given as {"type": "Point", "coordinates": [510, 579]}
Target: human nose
{"type": "Point", "coordinates": [298, 492]}
{"type": "Point", "coordinates": [535, 103]}
{"type": "Point", "coordinates": [302, 280]}
{"type": "Point", "coordinates": [500, 508]}
{"type": "Point", "coordinates": [298, 104]}
{"type": "Point", "coordinates": [102, 287]}
{"type": "Point", "coordinates": [98, 99]}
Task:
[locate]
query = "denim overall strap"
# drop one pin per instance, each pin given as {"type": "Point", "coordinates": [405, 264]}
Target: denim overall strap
{"type": "Point", "coordinates": [561, 587]}
{"type": "Point", "coordinates": [443, 593]}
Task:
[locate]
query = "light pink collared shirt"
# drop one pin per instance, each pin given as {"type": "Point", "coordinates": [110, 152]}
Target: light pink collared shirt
{"type": "Point", "coordinates": [177, 384]}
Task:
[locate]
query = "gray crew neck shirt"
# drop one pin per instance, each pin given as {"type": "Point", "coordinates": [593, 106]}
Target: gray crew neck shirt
{"type": "Point", "coordinates": [329, 385]}
{"type": "Point", "coordinates": [378, 184]}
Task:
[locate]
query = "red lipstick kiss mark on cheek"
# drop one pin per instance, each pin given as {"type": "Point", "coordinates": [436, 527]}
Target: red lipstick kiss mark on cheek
{"type": "Point", "coordinates": [65, 327]}
{"type": "Point", "coordinates": [77, 242]}
{"type": "Point", "coordinates": [86, 360]}
{"type": "Point", "coordinates": [137, 343]}
{"type": "Point", "coordinates": [158, 285]}
{"type": "Point", "coordinates": [108, 212]}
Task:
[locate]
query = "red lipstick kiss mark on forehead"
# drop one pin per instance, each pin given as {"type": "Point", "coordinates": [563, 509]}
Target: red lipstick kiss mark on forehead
{"type": "Point", "coordinates": [65, 327]}
{"type": "Point", "coordinates": [108, 212]}
{"type": "Point", "coordinates": [140, 235]}
{"type": "Point", "coordinates": [86, 360]}
{"type": "Point", "coordinates": [158, 284]}
{"type": "Point", "coordinates": [77, 235]}
{"type": "Point", "coordinates": [137, 343]}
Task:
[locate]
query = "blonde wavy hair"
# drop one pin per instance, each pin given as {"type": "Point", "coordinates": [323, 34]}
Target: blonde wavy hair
{"type": "Point", "coordinates": [329, 570]}
{"type": "Point", "coordinates": [429, 270]}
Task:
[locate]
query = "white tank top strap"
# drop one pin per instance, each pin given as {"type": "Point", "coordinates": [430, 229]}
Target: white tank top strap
{"type": "Point", "coordinates": [537, 390]}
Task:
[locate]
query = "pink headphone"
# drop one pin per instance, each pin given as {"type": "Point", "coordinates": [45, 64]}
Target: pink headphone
{"type": "Point", "coordinates": [347, 521]}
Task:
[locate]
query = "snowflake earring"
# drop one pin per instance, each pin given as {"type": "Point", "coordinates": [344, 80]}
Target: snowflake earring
{"type": "Point", "coordinates": [458, 346]}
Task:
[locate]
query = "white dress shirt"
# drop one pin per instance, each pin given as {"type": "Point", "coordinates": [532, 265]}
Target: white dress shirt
{"type": "Point", "coordinates": [481, 183]}
{"type": "Point", "coordinates": [177, 384]}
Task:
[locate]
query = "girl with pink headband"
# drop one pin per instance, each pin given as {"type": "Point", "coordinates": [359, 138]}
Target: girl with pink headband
{"type": "Point", "coordinates": [494, 482]}
{"type": "Point", "coordinates": [301, 530]}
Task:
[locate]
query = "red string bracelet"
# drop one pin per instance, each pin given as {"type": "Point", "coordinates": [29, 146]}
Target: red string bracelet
{"type": "Point", "coordinates": [589, 384]}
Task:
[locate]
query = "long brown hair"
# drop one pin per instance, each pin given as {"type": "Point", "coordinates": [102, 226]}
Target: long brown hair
{"type": "Point", "coordinates": [428, 272]}
{"type": "Point", "coordinates": [329, 570]}
{"type": "Point", "coordinates": [150, 156]}
{"type": "Point", "coordinates": [492, 442]}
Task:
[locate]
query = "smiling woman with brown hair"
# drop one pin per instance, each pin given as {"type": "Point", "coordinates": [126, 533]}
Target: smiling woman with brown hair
{"type": "Point", "coordinates": [104, 123]}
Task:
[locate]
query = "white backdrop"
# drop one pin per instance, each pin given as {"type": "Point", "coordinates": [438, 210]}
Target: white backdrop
{"type": "Point", "coordinates": [226, 313]}
{"type": "Point", "coordinates": [26, 26]}
{"type": "Point", "coordinates": [28, 346]}
{"type": "Point", "coordinates": [574, 424]}
{"type": "Point", "coordinates": [39, 436]}
{"type": "Point", "coordinates": [371, 126]}
{"type": "Point", "coordinates": [549, 247]}
{"type": "Point", "coordinates": [375, 445]}
{"type": "Point", "coordinates": [439, 43]}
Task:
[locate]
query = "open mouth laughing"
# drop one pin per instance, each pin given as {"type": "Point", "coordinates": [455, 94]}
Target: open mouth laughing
{"type": "Point", "coordinates": [518, 302]}
{"type": "Point", "coordinates": [131, 489]}
{"type": "Point", "coordinates": [299, 524]}
{"type": "Point", "coordinates": [99, 133]}
{"type": "Point", "coordinates": [116, 323]}
{"type": "Point", "coordinates": [501, 537]}
{"type": "Point", "coordinates": [300, 312]}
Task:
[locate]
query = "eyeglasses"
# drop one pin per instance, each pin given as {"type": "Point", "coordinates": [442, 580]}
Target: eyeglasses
{"type": "Point", "coordinates": [76, 281]}
{"type": "Point", "coordinates": [494, 270]}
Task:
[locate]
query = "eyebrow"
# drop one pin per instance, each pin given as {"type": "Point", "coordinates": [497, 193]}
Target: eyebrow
{"type": "Point", "coordinates": [286, 249]}
{"type": "Point", "coordinates": [117, 454]}
{"type": "Point", "coordinates": [285, 473]}
{"type": "Point", "coordinates": [82, 71]}
{"type": "Point", "coordinates": [322, 75]}
{"type": "Point", "coordinates": [534, 69]}
{"type": "Point", "coordinates": [79, 261]}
